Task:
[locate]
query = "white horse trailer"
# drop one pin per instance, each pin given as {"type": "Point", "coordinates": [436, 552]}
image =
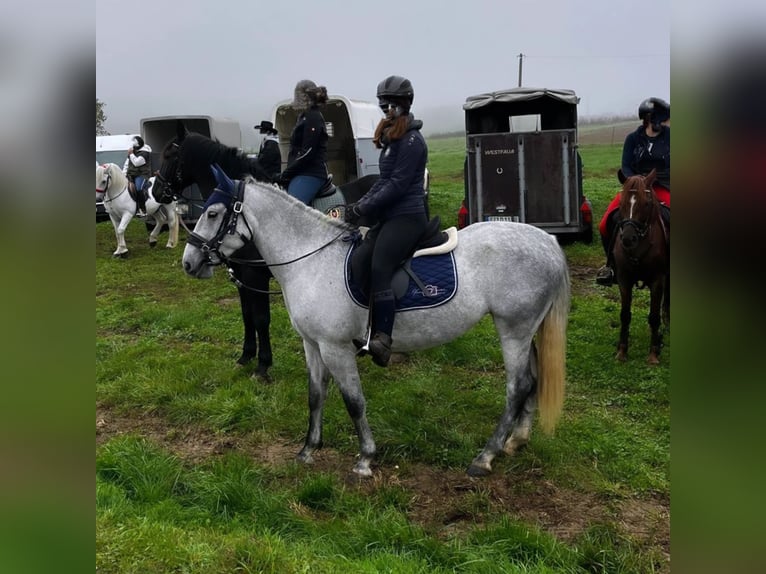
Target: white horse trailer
{"type": "Point", "coordinates": [158, 131]}
{"type": "Point", "coordinates": [351, 126]}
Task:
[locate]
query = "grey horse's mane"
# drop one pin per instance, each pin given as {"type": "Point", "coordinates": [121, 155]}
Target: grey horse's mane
{"type": "Point", "coordinates": [299, 205]}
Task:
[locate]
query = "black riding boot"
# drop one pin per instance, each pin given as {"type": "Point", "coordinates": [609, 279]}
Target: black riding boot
{"type": "Point", "coordinates": [383, 311]}
{"type": "Point", "coordinates": [141, 199]}
{"type": "Point", "coordinates": [605, 275]}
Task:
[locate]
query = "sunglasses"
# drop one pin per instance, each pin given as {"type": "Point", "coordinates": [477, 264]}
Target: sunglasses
{"type": "Point", "coordinates": [386, 106]}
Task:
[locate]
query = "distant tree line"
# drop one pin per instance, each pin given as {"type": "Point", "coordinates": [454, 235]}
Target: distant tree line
{"type": "Point", "coordinates": [100, 119]}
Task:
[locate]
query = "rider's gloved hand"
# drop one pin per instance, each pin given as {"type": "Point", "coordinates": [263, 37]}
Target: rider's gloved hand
{"type": "Point", "coordinates": [352, 214]}
{"type": "Point", "coordinates": [282, 181]}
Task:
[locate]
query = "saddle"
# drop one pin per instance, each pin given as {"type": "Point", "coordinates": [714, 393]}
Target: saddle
{"type": "Point", "coordinates": [144, 191]}
{"type": "Point", "coordinates": [329, 198]}
{"type": "Point", "coordinates": [433, 241]}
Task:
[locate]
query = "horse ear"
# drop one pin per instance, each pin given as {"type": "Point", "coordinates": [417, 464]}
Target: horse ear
{"type": "Point", "coordinates": [181, 130]}
{"type": "Point", "coordinates": [650, 178]}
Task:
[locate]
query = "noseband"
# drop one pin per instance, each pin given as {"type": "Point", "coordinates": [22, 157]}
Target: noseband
{"type": "Point", "coordinates": [211, 247]}
{"type": "Point", "coordinates": [641, 230]}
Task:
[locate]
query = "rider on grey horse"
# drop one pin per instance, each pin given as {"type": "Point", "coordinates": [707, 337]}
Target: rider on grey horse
{"type": "Point", "coordinates": [138, 169]}
{"type": "Point", "coordinates": [397, 202]}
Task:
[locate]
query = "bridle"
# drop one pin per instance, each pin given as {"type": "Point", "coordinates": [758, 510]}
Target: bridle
{"type": "Point", "coordinates": [108, 199]}
{"type": "Point", "coordinates": [211, 247]}
{"type": "Point", "coordinates": [640, 228]}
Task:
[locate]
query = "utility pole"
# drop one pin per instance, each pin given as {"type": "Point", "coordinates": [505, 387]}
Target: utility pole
{"type": "Point", "coordinates": [521, 59]}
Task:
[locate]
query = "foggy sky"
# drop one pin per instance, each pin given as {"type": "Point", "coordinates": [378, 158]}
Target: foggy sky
{"type": "Point", "coordinates": [238, 59]}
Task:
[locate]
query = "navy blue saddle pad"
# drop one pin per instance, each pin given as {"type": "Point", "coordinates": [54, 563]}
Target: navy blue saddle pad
{"type": "Point", "coordinates": [437, 273]}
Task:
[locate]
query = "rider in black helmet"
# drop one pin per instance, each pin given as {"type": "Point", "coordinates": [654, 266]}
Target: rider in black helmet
{"type": "Point", "coordinates": [396, 202]}
{"type": "Point", "coordinates": [645, 149]}
{"type": "Point", "coordinates": [139, 170]}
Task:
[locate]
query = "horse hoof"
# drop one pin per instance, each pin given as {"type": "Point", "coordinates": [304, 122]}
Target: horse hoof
{"type": "Point", "coordinates": [477, 471]}
{"type": "Point", "coordinates": [245, 359]}
{"type": "Point", "coordinates": [123, 255]}
{"type": "Point", "coordinates": [262, 373]}
{"type": "Point", "coordinates": [152, 244]}
{"type": "Point", "coordinates": [363, 470]}
{"type": "Point", "coordinates": [621, 356]}
{"type": "Point", "coordinates": [653, 360]}
{"type": "Point", "coordinates": [304, 457]}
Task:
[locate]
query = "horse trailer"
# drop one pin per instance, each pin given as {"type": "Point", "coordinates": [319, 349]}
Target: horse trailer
{"type": "Point", "coordinates": [158, 131]}
{"type": "Point", "coordinates": [350, 126]}
{"type": "Point", "coordinates": [522, 162]}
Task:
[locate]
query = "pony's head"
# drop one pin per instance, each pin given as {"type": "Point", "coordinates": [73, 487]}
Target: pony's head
{"type": "Point", "coordinates": [638, 208]}
{"type": "Point", "coordinates": [107, 175]}
{"type": "Point", "coordinates": [186, 160]}
{"type": "Point", "coordinates": [170, 174]}
{"type": "Point", "coordinates": [220, 231]}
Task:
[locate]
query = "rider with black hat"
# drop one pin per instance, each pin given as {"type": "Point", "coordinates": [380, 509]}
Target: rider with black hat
{"type": "Point", "coordinates": [269, 155]}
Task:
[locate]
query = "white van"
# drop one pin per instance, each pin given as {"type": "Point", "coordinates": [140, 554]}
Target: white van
{"type": "Point", "coordinates": [111, 149]}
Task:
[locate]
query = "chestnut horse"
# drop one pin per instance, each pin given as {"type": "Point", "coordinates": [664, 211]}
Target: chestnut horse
{"type": "Point", "coordinates": [642, 259]}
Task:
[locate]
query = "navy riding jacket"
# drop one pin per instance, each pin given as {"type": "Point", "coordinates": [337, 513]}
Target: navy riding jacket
{"type": "Point", "coordinates": [308, 146]}
{"type": "Point", "coordinates": [399, 190]}
{"type": "Point", "coordinates": [641, 154]}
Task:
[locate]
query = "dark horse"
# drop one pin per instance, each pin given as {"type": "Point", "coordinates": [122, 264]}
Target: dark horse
{"type": "Point", "coordinates": [642, 258]}
{"type": "Point", "coordinates": [186, 159]}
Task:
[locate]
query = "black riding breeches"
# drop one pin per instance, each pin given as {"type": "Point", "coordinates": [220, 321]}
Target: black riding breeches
{"type": "Point", "coordinates": [386, 246]}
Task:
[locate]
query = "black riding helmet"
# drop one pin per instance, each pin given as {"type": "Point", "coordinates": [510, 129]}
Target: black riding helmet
{"type": "Point", "coordinates": [396, 89]}
{"type": "Point", "coordinates": [657, 107]}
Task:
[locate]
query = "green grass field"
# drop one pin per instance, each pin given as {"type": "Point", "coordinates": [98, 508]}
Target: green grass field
{"type": "Point", "coordinates": [194, 458]}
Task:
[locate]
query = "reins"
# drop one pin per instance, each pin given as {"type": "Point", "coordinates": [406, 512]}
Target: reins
{"type": "Point", "coordinates": [228, 227]}
{"type": "Point", "coordinates": [108, 199]}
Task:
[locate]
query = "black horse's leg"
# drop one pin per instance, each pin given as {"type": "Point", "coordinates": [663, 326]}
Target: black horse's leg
{"type": "Point", "coordinates": [261, 317]}
{"type": "Point", "coordinates": [657, 292]}
{"type": "Point", "coordinates": [626, 298]}
{"type": "Point", "coordinates": [246, 300]}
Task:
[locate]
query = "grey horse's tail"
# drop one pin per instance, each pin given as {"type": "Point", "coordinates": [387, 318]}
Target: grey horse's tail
{"type": "Point", "coordinates": [551, 348]}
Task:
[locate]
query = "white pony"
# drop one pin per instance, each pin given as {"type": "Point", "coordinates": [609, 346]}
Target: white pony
{"type": "Point", "coordinates": [515, 272]}
{"type": "Point", "coordinates": [112, 189]}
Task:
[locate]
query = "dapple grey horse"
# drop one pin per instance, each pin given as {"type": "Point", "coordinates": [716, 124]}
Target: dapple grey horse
{"type": "Point", "coordinates": [515, 272]}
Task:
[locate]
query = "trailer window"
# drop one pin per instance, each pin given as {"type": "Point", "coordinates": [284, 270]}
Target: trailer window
{"type": "Point", "coordinates": [525, 123]}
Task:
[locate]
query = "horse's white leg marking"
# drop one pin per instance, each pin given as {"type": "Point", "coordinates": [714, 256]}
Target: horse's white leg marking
{"type": "Point", "coordinates": [341, 360]}
{"type": "Point", "coordinates": [172, 218]}
{"type": "Point", "coordinates": [319, 377]}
